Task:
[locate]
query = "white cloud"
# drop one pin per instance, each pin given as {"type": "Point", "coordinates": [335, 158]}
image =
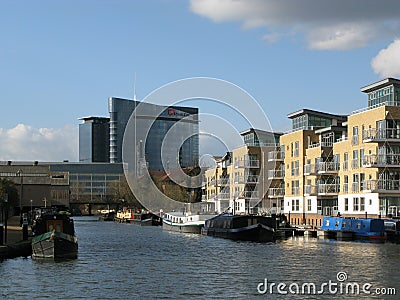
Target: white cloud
{"type": "Point", "coordinates": [25, 143]}
{"type": "Point", "coordinates": [387, 62]}
{"type": "Point", "coordinates": [326, 24]}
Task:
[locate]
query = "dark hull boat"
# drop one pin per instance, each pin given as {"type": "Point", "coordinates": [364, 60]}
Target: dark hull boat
{"type": "Point", "coordinates": [54, 236]}
{"type": "Point", "coordinates": [242, 228]}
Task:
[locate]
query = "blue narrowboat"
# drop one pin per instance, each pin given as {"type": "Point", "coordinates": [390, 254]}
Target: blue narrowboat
{"type": "Point", "coordinates": [367, 228]}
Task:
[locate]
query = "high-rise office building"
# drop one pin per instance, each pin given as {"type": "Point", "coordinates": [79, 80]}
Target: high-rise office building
{"type": "Point", "coordinates": [94, 139]}
{"type": "Point", "coordinates": [164, 120]}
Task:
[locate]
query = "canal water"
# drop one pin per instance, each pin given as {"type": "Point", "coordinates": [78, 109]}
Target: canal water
{"type": "Point", "coordinates": [125, 261]}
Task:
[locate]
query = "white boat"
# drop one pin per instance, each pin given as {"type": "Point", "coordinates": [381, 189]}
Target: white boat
{"type": "Point", "coordinates": [184, 222]}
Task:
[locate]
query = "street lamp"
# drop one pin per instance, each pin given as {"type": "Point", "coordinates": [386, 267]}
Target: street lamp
{"type": "Point", "coordinates": [31, 210]}
{"type": "Point", "coordinates": [6, 216]}
{"type": "Point", "coordinates": [20, 174]}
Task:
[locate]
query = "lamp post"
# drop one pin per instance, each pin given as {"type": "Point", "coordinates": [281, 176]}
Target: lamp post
{"type": "Point", "coordinates": [6, 217]}
{"type": "Point", "coordinates": [31, 211]}
{"type": "Point", "coordinates": [20, 174]}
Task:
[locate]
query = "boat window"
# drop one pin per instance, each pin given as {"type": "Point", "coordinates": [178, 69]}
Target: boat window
{"type": "Point", "coordinates": [327, 223]}
{"type": "Point", "coordinates": [51, 227]}
{"type": "Point", "coordinates": [358, 225]}
{"type": "Point", "coordinates": [343, 224]}
{"type": "Point", "coordinates": [337, 223]}
{"type": "Point", "coordinates": [58, 227]}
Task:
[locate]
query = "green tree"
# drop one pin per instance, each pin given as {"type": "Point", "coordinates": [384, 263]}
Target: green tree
{"type": "Point", "coordinates": [7, 187]}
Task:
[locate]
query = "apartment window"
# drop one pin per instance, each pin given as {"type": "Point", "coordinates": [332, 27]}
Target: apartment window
{"type": "Point", "coordinates": [295, 168]}
{"type": "Point", "coordinates": [295, 205]}
{"type": "Point", "coordinates": [295, 187]}
{"type": "Point", "coordinates": [362, 181]}
{"type": "Point", "coordinates": [346, 204]}
{"type": "Point", "coordinates": [356, 204]}
{"type": "Point", "coordinates": [361, 157]}
{"type": "Point", "coordinates": [346, 184]}
{"type": "Point", "coordinates": [309, 206]}
{"type": "Point", "coordinates": [354, 139]}
{"type": "Point", "coordinates": [355, 187]}
{"type": "Point", "coordinates": [354, 164]}
{"type": "Point", "coordinates": [346, 161]}
{"type": "Point", "coordinates": [362, 203]}
{"type": "Point", "coordinates": [291, 150]}
{"type": "Point", "coordinates": [296, 148]}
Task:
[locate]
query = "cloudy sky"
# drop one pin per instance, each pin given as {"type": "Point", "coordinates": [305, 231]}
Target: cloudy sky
{"type": "Point", "coordinates": [61, 60]}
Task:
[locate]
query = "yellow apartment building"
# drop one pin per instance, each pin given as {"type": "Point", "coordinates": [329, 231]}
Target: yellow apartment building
{"type": "Point", "coordinates": [239, 182]}
{"type": "Point", "coordinates": [345, 165]}
{"type": "Point", "coordinates": [326, 165]}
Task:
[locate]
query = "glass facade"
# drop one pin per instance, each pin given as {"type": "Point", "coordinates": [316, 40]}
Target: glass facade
{"type": "Point", "coordinates": [91, 181]}
{"type": "Point", "coordinates": [184, 121]}
{"type": "Point", "coordinates": [94, 140]}
{"type": "Point", "coordinates": [308, 121]}
{"type": "Point", "coordinates": [381, 96]}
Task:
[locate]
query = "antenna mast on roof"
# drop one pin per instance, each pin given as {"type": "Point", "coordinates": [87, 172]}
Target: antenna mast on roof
{"type": "Point", "coordinates": [134, 88]}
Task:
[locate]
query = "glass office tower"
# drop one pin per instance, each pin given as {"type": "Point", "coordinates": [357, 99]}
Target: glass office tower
{"type": "Point", "coordinates": [94, 139]}
{"type": "Point", "coordinates": [166, 117]}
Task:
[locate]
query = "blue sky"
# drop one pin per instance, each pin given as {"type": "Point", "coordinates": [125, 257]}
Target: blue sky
{"type": "Point", "coordinates": [61, 60]}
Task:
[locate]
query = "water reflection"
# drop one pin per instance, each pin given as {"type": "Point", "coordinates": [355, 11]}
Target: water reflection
{"type": "Point", "coordinates": [129, 262]}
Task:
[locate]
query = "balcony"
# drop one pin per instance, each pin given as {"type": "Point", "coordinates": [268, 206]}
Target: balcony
{"type": "Point", "coordinates": [328, 189]}
{"type": "Point", "coordinates": [345, 187]}
{"type": "Point", "coordinates": [328, 167]}
{"type": "Point", "coordinates": [224, 196]}
{"type": "Point", "coordinates": [276, 155]}
{"type": "Point", "coordinates": [276, 174]}
{"type": "Point", "coordinates": [310, 169]}
{"type": "Point", "coordinates": [310, 190]}
{"type": "Point", "coordinates": [223, 181]}
{"type": "Point", "coordinates": [247, 164]}
{"type": "Point", "coordinates": [276, 192]}
{"type": "Point", "coordinates": [382, 186]}
{"type": "Point", "coordinates": [381, 135]}
{"type": "Point", "coordinates": [381, 161]}
{"type": "Point", "coordinates": [249, 179]}
{"type": "Point", "coordinates": [251, 194]}
{"type": "Point", "coordinates": [252, 179]}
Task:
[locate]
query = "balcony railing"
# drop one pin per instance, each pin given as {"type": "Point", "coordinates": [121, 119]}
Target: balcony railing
{"type": "Point", "coordinates": [251, 194]}
{"type": "Point", "coordinates": [224, 181]}
{"type": "Point", "coordinates": [254, 163]}
{"type": "Point", "coordinates": [276, 155]}
{"type": "Point", "coordinates": [328, 188]}
{"type": "Point", "coordinates": [345, 187]}
{"type": "Point", "coordinates": [381, 134]}
{"type": "Point", "coordinates": [310, 190]}
{"type": "Point", "coordinates": [355, 187]}
{"type": "Point", "coordinates": [384, 160]}
{"type": "Point", "coordinates": [328, 167]}
{"type": "Point", "coordinates": [380, 185]}
{"type": "Point", "coordinates": [321, 144]}
{"type": "Point", "coordinates": [276, 192]}
{"type": "Point", "coordinates": [252, 179]}
{"type": "Point", "coordinates": [345, 165]}
{"type": "Point", "coordinates": [309, 169]}
{"type": "Point", "coordinates": [276, 174]}
{"type": "Point", "coordinates": [223, 196]}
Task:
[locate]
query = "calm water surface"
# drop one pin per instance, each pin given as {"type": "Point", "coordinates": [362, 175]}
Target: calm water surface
{"type": "Point", "coordinates": [123, 261]}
